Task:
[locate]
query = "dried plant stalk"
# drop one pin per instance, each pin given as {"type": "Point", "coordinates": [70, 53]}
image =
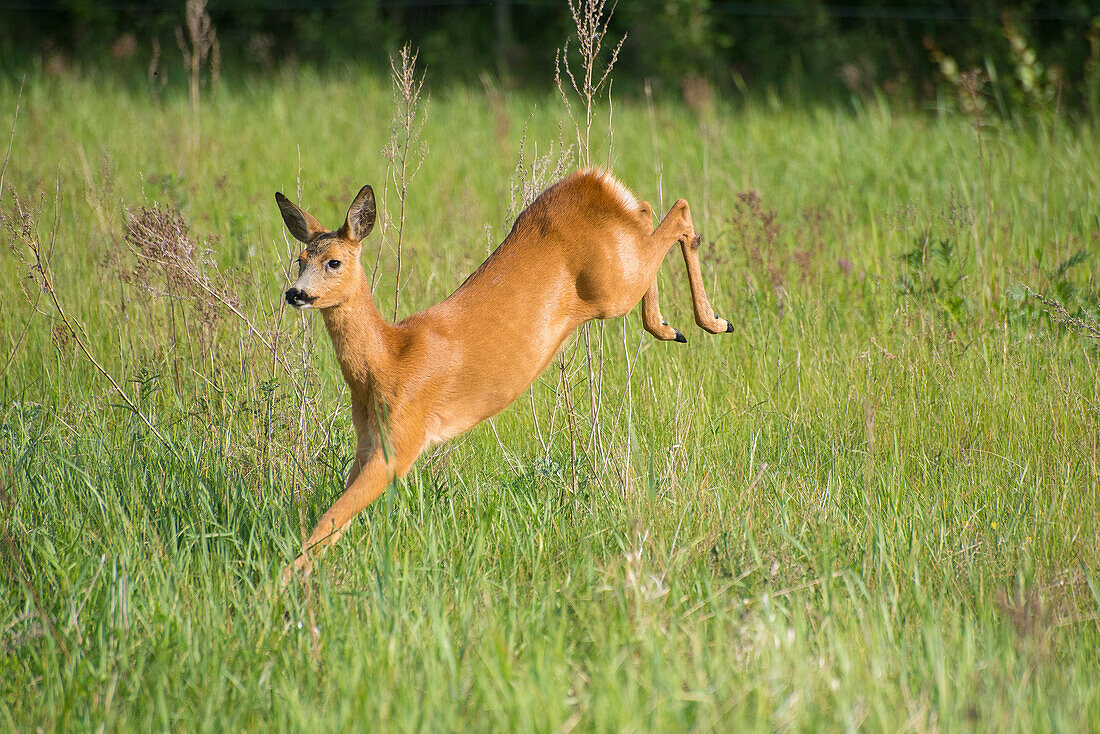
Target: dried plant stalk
{"type": "Point", "coordinates": [531, 178]}
{"type": "Point", "coordinates": [203, 47]}
{"type": "Point", "coordinates": [1059, 313]}
{"type": "Point", "coordinates": [24, 227]}
{"type": "Point", "coordinates": [162, 242]}
{"type": "Point", "coordinates": [11, 137]}
{"type": "Point", "coordinates": [3, 172]}
{"type": "Point", "coordinates": [405, 129]}
{"type": "Point", "coordinates": [589, 80]}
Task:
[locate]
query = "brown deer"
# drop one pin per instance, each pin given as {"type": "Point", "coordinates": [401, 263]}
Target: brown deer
{"type": "Point", "coordinates": [584, 249]}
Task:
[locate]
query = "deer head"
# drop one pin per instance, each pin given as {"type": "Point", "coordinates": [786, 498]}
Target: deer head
{"type": "Point", "coordinates": [329, 272]}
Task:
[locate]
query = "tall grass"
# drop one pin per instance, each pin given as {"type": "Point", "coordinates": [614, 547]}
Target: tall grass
{"type": "Point", "coordinates": [875, 504]}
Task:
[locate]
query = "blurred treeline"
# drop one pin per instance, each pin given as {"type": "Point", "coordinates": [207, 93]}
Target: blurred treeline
{"type": "Point", "coordinates": [902, 48]}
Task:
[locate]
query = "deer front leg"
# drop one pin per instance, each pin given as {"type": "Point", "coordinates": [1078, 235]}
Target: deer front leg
{"type": "Point", "coordinates": [369, 477]}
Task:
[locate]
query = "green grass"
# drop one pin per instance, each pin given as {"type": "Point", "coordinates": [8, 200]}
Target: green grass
{"type": "Point", "coordinates": [875, 505]}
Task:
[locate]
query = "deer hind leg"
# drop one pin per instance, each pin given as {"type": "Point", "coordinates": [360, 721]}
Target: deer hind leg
{"type": "Point", "coordinates": [700, 304]}
{"type": "Point", "coordinates": [674, 227]}
{"type": "Point", "coordinates": [689, 240]}
{"type": "Point", "coordinates": [653, 321]}
{"type": "Point", "coordinates": [677, 227]}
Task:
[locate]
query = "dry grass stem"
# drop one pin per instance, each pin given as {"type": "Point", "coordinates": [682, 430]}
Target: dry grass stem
{"type": "Point", "coordinates": [38, 291]}
{"type": "Point", "coordinates": [532, 177]}
{"type": "Point", "coordinates": [27, 233]}
{"type": "Point", "coordinates": [11, 137]}
{"type": "Point", "coordinates": [1060, 314]}
{"type": "Point", "coordinates": [162, 242]}
{"type": "Point", "coordinates": [405, 163]}
{"type": "Point", "coordinates": [203, 47]}
{"type": "Point", "coordinates": [588, 81]}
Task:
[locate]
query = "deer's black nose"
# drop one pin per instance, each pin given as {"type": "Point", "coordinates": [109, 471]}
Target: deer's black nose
{"type": "Point", "coordinates": [297, 297]}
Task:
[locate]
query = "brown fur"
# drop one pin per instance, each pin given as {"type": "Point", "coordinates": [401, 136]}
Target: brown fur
{"type": "Point", "coordinates": [584, 249]}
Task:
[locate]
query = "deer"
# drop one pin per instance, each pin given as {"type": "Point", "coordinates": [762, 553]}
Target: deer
{"type": "Point", "coordinates": [584, 249]}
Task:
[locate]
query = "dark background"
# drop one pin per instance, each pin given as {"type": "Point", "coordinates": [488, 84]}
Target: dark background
{"type": "Point", "coordinates": [792, 46]}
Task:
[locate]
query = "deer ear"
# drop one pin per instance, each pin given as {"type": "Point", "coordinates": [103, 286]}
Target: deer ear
{"type": "Point", "coordinates": [361, 215]}
{"type": "Point", "coordinates": [301, 223]}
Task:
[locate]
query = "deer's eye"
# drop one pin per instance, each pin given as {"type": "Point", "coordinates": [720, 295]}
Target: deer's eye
{"type": "Point", "coordinates": [333, 264]}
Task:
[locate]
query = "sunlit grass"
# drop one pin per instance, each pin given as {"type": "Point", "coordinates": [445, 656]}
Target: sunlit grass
{"type": "Point", "coordinates": [875, 504]}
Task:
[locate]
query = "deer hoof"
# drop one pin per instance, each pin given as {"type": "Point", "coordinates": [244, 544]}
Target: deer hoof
{"type": "Point", "coordinates": [680, 337]}
{"type": "Point", "coordinates": [297, 571]}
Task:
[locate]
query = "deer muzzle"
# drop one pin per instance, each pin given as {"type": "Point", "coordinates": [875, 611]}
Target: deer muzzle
{"type": "Point", "coordinates": [298, 298]}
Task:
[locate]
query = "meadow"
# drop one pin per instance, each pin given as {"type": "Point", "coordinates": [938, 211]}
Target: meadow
{"type": "Point", "coordinates": [873, 506]}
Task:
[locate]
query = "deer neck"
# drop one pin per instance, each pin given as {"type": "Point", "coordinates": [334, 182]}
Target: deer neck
{"type": "Point", "coordinates": [360, 337]}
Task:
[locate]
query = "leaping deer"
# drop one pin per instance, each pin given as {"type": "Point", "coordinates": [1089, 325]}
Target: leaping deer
{"type": "Point", "coordinates": [584, 249]}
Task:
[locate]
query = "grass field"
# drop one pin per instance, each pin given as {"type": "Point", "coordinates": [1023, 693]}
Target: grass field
{"type": "Point", "coordinates": [875, 505]}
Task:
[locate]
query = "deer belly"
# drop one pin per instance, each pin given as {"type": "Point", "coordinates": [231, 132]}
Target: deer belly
{"type": "Point", "coordinates": [498, 357]}
{"type": "Point", "coordinates": [451, 424]}
{"type": "Point", "coordinates": [479, 394]}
